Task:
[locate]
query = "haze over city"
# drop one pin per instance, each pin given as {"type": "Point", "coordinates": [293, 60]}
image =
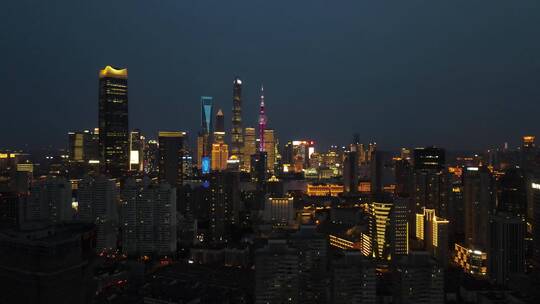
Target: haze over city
{"type": "Point", "coordinates": [455, 74]}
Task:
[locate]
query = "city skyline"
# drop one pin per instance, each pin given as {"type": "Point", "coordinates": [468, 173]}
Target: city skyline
{"type": "Point", "coordinates": [392, 79]}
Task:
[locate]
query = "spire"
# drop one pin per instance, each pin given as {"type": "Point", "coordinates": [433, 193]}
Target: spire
{"type": "Point", "coordinates": [262, 121]}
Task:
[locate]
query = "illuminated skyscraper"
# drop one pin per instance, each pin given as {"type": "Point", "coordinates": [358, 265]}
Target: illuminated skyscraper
{"type": "Point", "coordinates": [270, 148]}
{"type": "Point", "coordinates": [204, 137]}
{"type": "Point", "coordinates": [433, 230]}
{"type": "Point", "coordinates": [237, 140]}
{"type": "Point", "coordinates": [136, 151]}
{"type": "Point", "coordinates": [400, 227]}
{"type": "Point", "coordinates": [220, 154]}
{"type": "Point", "coordinates": [219, 132]}
{"type": "Point", "coordinates": [207, 111]}
{"type": "Point", "coordinates": [83, 146]}
{"type": "Point", "coordinates": [250, 147]}
{"type": "Point", "coordinates": [478, 198]}
{"type": "Point", "coordinates": [379, 228]}
{"type": "Point", "coordinates": [262, 122]}
{"type": "Point", "coordinates": [113, 121]}
{"type": "Point", "coordinates": [171, 152]}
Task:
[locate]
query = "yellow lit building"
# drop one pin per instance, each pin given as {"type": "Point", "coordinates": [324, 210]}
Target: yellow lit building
{"type": "Point", "coordinates": [470, 260]}
{"type": "Point", "coordinates": [433, 230]}
{"type": "Point", "coordinates": [379, 229]}
{"type": "Point", "coordinates": [220, 154]}
{"type": "Point", "coordinates": [324, 189]}
{"type": "Point", "coordinates": [250, 147]}
{"type": "Point", "coordinates": [342, 243]}
{"type": "Point", "coordinates": [270, 148]}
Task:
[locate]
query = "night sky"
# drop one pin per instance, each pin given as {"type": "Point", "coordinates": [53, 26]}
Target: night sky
{"type": "Point", "coordinates": [462, 74]}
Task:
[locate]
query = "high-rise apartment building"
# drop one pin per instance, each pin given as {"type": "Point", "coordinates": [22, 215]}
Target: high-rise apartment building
{"type": "Point", "coordinates": [148, 218]}
{"type": "Point", "coordinates": [276, 273]}
{"type": "Point", "coordinates": [418, 279]}
{"type": "Point", "coordinates": [113, 121]}
{"type": "Point", "coordinates": [506, 254]}
{"type": "Point", "coordinates": [98, 204]}
{"type": "Point", "coordinates": [353, 279]}
{"type": "Point", "coordinates": [49, 200]}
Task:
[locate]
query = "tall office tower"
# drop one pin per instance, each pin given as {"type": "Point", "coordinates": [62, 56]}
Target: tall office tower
{"type": "Point", "coordinates": [429, 158]}
{"type": "Point", "coordinates": [220, 154]}
{"type": "Point", "coordinates": [478, 199]}
{"type": "Point", "coordinates": [148, 218]}
{"type": "Point", "coordinates": [270, 148]}
{"type": "Point", "coordinates": [534, 188]}
{"type": "Point", "coordinates": [97, 204]}
{"type": "Point", "coordinates": [203, 154]}
{"type": "Point", "coordinates": [250, 147]}
{"type": "Point", "coordinates": [136, 151]}
{"type": "Point", "coordinates": [204, 137]}
{"type": "Point", "coordinates": [220, 150]}
{"type": "Point", "coordinates": [237, 136]}
{"type": "Point", "coordinates": [262, 122]}
{"type": "Point", "coordinates": [506, 254]}
{"type": "Point", "coordinates": [456, 214]}
{"type": "Point", "coordinates": [429, 182]}
{"type": "Point", "coordinates": [312, 254]}
{"type": "Point", "coordinates": [279, 211]}
{"type": "Point", "coordinates": [276, 273]}
{"type": "Point", "coordinates": [371, 148]}
{"type": "Point", "coordinates": [404, 177]}
{"type": "Point", "coordinates": [512, 192]}
{"type": "Point", "coordinates": [376, 165]}
{"type": "Point", "coordinates": [113, 121]}
{"type": "Point", "coordinates": [258, 169]}
{"type": "Point", "coordinates": [83, 146]}
{"type": "Point", "coordinates": [433, 230]}
{"type": "Point", "coordinates": [354, 279]}
{"type": "Point", "coordinates": [399, 238]}
{"type": "Point", "coordinates": [529, 154]}
{"type": "Point", "coordinates": [418, 280]}
{"type": "Point", "coordinates": [49, 200]}
{"type": "Point", "coordinates": [379, 230]}
{"type": "Point", "coordinates": [151, 157]}
{"type": "Point", "coordinates": [350, 172]}
{"type": "Point", "coordinates": [223, 205]}
{"type": "Point", "coordinates": [171, 151]}
{"type": "Point", "coordinates": [219, 132]}
{"type": "Point", "coordinates": [207, 113]}
{"type": "Point", "coordinates": [47, 264]}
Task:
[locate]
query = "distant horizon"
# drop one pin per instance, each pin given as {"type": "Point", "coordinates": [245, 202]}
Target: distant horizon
{"type": "Point", "coordinates": [459, 75]}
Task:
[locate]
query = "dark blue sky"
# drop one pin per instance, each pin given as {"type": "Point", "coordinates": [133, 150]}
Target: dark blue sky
{"type": "Point", "coordinates": [462, 74]}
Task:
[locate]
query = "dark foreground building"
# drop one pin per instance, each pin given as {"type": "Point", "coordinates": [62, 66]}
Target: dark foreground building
{"type": "Point", "coordinates": [40, 263]}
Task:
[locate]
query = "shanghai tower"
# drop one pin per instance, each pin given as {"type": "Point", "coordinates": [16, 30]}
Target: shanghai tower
{"type": "Point", "coordinates": [113, 121]}
{"type": "Point", "coordinates": [237, 138]}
